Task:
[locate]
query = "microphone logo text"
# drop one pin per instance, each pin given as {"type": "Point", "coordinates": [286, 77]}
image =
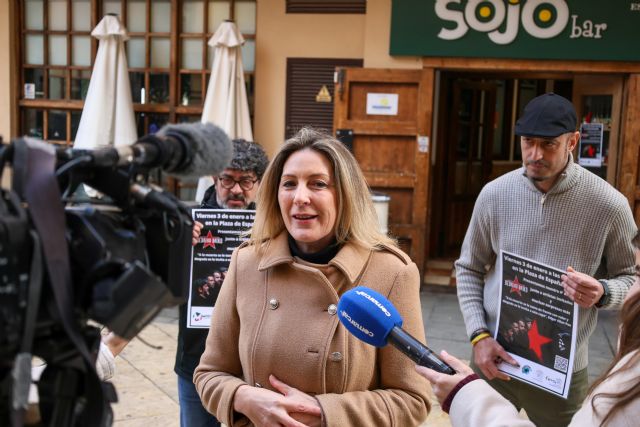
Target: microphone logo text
{"type": "Point", "coordinates": [375, 302]}
{"type": "Point", "coordinates": [355, 324]}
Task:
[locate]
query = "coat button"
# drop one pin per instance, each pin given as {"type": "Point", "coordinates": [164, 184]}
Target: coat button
{"type": "Point", "coordinates": [258, 385]}
{"type": "Point", "coordinates": [336, 356]}
{"type": "Point", "coordinates": [332, 309]}
{"type": "Point", "coordinates": [273, 303]}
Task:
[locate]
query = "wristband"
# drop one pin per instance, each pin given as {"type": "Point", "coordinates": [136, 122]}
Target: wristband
{"type": "Point", "coordinates": [480, 337]}
{"type": "Point", "coordinates": [477, 332]}
{"type": "Point", "coordinates": [446, 405]}
{"type": "Point", "coordinates": [605, 299]}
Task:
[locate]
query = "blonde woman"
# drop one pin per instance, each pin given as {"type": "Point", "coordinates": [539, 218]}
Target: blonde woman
{"type": "Point", "coordinates": [276, 353]}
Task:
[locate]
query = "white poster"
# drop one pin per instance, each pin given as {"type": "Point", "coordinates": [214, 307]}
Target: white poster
{"type": "Point", "coordinates": [590, 151]}
{"type": "Point", "coordinates": [537, 324]}
{"type": "Point", "coordinates": [210, 258]}
{"type": "Point", "coordinates": [382, 104]}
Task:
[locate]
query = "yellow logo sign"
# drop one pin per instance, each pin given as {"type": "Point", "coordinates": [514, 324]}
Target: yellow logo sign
{"type": "Point", "coordinates": [323, 95]}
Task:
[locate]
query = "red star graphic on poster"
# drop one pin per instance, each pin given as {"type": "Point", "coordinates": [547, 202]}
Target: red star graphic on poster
{"type": "Point", "coordinates": [515, 287]}
{"type": "Point", "coordinates": [536, 341]}
{"type": "Point", "coordinates": [209, 242]}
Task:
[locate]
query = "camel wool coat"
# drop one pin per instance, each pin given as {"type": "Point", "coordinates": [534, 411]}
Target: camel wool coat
{"type": "Point", "coordinates": [276, 314]}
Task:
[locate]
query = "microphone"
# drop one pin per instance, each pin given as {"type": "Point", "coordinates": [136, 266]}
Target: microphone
{"type": "Point", "coordinates": [187, 150]}
{"type": "Point", "coordinates": [372, 318]}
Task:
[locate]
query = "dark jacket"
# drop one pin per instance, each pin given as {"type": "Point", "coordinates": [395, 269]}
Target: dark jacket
{"type": "Point", "coordinates": [191, 341]}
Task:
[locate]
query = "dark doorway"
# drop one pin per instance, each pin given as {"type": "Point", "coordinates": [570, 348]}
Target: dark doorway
{"type": "Point", "coordinates": [476, 144]}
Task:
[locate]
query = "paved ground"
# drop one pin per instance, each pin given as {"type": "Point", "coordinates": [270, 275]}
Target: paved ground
{"type": "Point", "coordinates": [147, 386]}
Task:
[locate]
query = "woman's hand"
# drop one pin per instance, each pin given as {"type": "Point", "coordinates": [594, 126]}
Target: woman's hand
{"type": "Point", "coordinates": [269, 408]}
{"type": "Point", "coordinates": [195, 232]}
{"type": "Point", "coordinates": [309, 419]}
{"type": "Point", "coordinates": [442, 384]}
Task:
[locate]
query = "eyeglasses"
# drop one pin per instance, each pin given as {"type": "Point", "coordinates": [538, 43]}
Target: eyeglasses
{"type": "Point", "coordinates": [228, 183]}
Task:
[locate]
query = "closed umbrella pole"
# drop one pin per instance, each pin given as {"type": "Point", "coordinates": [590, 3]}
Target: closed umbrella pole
{"type": "Point", "coordinates": [107, 117]}
{"type": "Point", "coordinates": [226, 103]}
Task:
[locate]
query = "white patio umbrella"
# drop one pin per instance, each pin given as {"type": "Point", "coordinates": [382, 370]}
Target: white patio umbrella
{"type": "Point", "coordinates": [107, 118]}
{"type": "Point", "coordinates": [226, 102]}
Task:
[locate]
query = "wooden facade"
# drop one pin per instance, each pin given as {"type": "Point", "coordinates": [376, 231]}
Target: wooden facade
{"type": "Point", "coordinates": [423, 195]}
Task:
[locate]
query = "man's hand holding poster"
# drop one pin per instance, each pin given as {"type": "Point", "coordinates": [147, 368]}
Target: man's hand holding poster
{"type": "Point", "coordinates": [210, 258]}
{"type": "Point", "coordinates": [536, 324]}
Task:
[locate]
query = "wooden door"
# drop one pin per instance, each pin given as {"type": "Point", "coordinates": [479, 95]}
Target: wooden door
{"type": "Point", "coordinates": [468, 146]}
{"type": "Point", "coordinates": [629, 170]}
{"type": "Point", "coordinates": [393, 150]}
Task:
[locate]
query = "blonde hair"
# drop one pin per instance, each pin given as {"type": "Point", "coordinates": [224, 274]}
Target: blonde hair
{"type": "Point", "coordinates": [356, 220]}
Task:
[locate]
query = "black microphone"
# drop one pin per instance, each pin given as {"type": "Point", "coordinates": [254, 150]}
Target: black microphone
{"type": "Point", "coordinates": [154, 197]}
{"type": "Point", "coordinates": [370, 317]}
{"type": "Point", "coordinates": [187, 150]}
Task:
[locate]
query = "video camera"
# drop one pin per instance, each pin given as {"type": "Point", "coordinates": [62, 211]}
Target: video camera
{"type": "Point", "coordinates": [67, 260]}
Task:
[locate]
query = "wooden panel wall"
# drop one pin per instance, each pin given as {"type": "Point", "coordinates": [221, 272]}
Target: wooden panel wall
{"type": "Point", "coordinates": [628, 175]}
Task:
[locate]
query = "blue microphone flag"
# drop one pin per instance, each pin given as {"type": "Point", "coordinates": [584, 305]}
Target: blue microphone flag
{"type": "Point", "coordinates": [368, 315]}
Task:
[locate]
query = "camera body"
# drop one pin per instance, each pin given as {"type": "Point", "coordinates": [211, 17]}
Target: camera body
{"type": "Point", "coordinates": [65, 261]}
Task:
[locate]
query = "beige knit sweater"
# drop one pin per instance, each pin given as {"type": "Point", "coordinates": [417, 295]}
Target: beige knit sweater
{"type": "Point", "coordinates": [581, 222]}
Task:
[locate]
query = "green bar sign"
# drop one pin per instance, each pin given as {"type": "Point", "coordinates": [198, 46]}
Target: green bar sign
{"type": "Point", "coordinates": [540, 29]}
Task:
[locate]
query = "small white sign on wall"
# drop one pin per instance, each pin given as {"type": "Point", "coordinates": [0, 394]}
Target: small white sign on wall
{"type": "Point", "coordinates": [29, 91]}
{"type": "Point", "coordinates": [384, 104]}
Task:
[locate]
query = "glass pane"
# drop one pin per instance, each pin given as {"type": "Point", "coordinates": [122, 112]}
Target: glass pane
{"type": "Point", "coordinates": [34, 14]}
{"type": "Point", "coordinates": [192, 16]}
{"type": "Point", "coordinates": [136, 80]}
{"type": "Point", "coordinates": [57, 126]}
{"type": "Point", "coordinates": [57, 15]}
{"type": "Point", "coordinates": [56, 84]}
{"type": "Point", "coordinates": [140, 125]}
{"type": "Point", "coordinates": [58, 50]}
{"type": "Point", "coordinates": [158, 88]}
{"type": "Point", "coordinates": [135, 52]}
{"type": "Point", "coordinates": [160, 52]}
{"type": "Point", "coordinates": [81, 51]}
{"type": "Point", "coordinates": [187, 188]}
{"type": "Point", "coordinates": [75, 122]}
{"type": "Point", "coordinates": [111, 6]}
{"type": "Point", "coordinates": [191, 86]}
{"type": "Point", "coordinates": [249, 55]}
{"type": "Point", "coordinates": [80, 83]}
{"type": "Point", "coordinates": [137, 16]}
{"type": "Point", "coordinates": [192, 54]}
{"type": "Point", "coordinates": [218, 12]}
{"type": "Point", "coordinates": [246, 16]}
{"type": "Point", "coordinates": [161, 16]}
{"type": "Point", "coordinates": [34, 49]}
{"type": "Point", "coordinates": [188, 119]}
{"type": "Point", "coordinates": [34, 76]}
{"type": "Point", "coordinates": [156, 121]}
{"type": "Point", "coordinates": [81, 13]}
{"type": "Point", "coordinates": [500, 149]}
{"type": "Point", "coordinates": [32, 123]}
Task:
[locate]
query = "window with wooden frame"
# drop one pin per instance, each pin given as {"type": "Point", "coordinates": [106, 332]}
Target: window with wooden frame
{"type": "Point", "coordinates": [326, 6]}
{"type": "Point", "coordinates": [168, 57]}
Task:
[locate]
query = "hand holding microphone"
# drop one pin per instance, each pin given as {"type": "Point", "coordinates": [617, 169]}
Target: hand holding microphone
{"type": "Point", "coordinates": [372, 318]}
{"type": "Point", "coordinates": [443, 384]}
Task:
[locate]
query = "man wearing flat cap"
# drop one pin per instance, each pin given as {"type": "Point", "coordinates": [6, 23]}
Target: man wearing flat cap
{"type": "Point", "coordinates": [555, 212]}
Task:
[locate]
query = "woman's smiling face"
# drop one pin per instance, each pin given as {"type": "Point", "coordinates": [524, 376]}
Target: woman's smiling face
{"type": "Point", "coordinates": [307, 199]}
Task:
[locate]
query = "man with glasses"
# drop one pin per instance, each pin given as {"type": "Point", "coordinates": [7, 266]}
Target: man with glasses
{"type": "Point", "coordinates": [235, 188]}
{"type": "Point", "coordinates": [237, 185]}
